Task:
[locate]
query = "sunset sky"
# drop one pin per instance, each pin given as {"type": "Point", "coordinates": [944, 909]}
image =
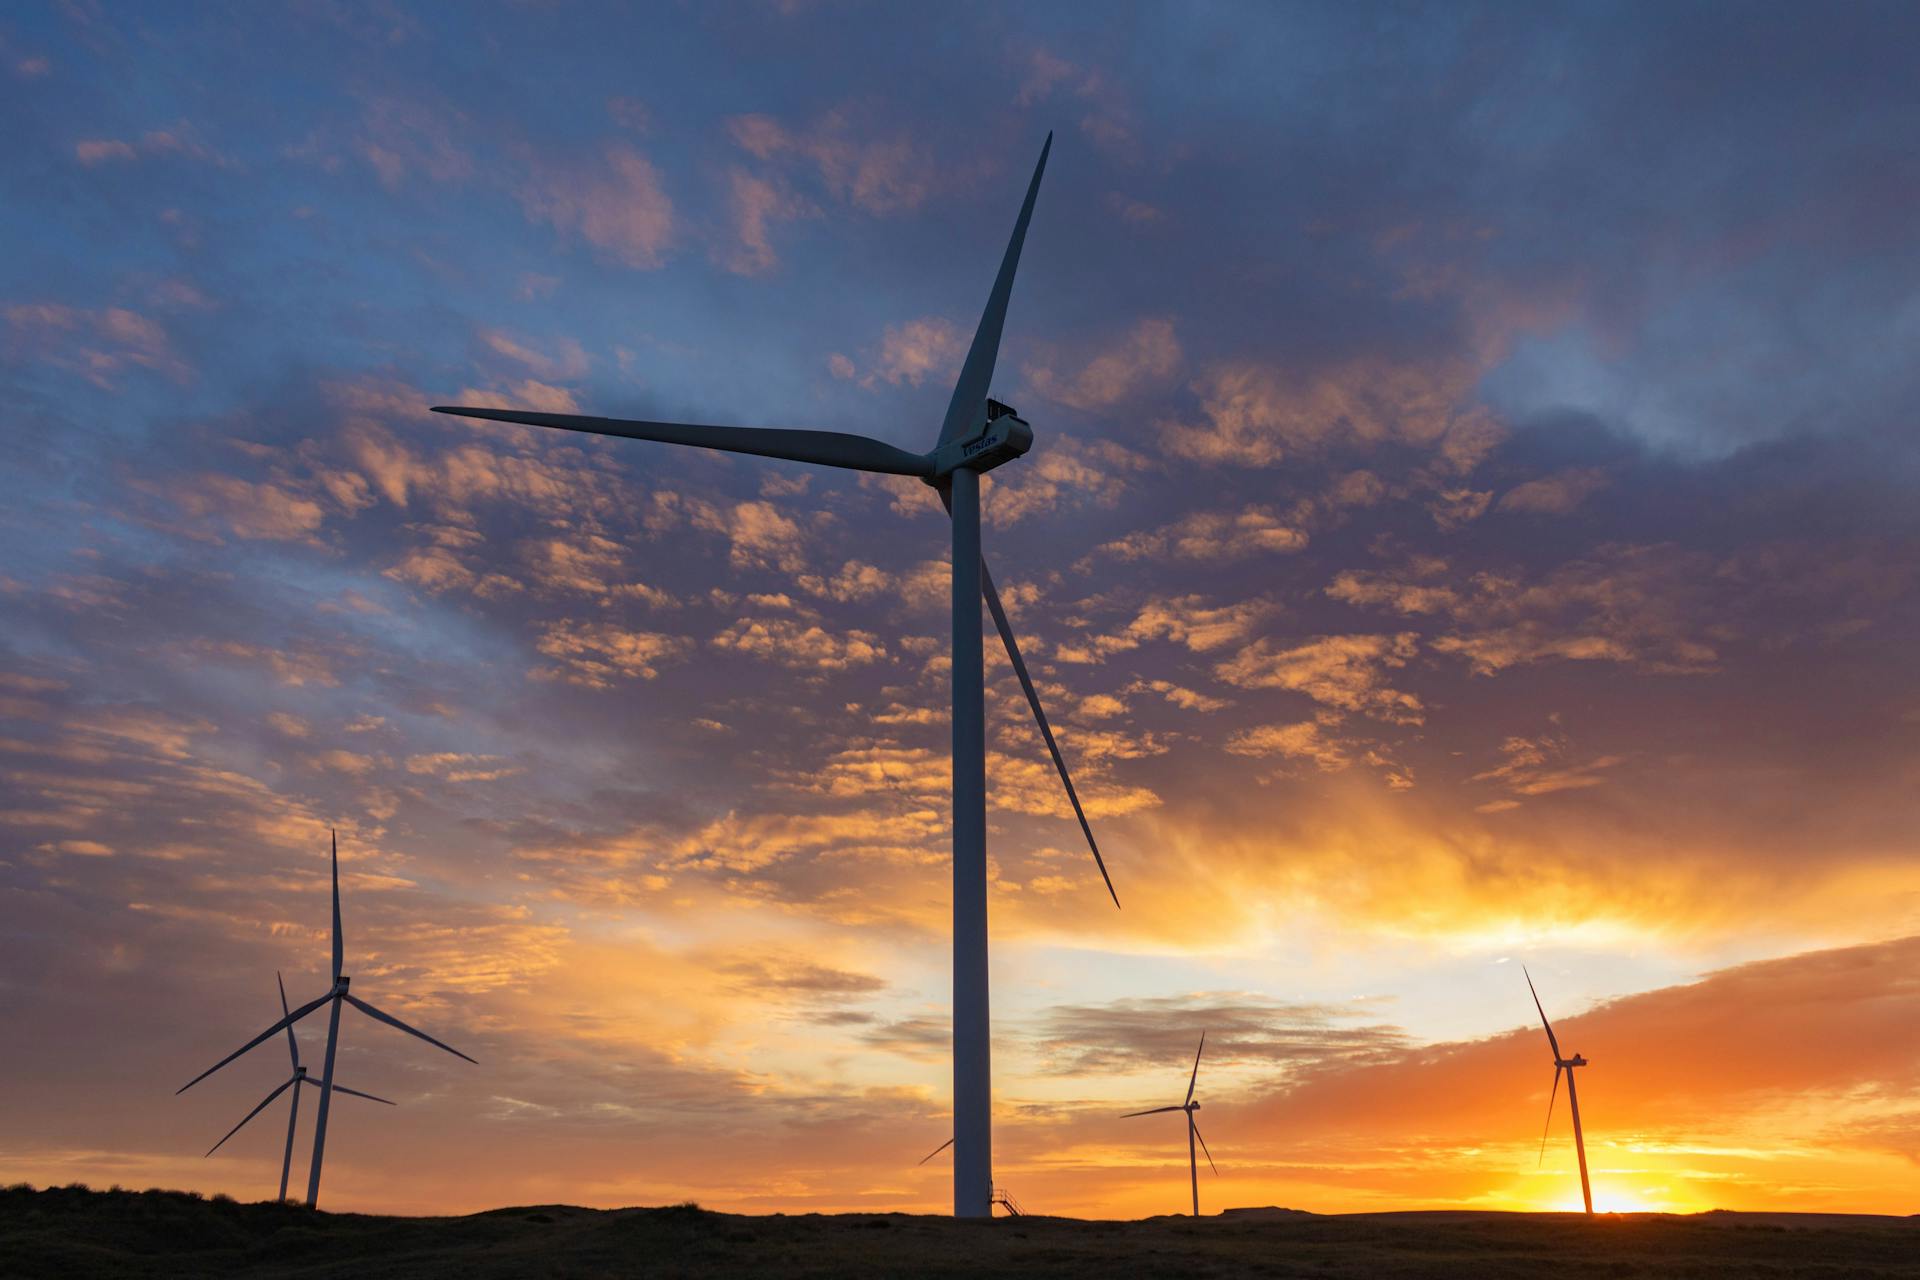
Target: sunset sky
{"type": "Point", "coordinates": [1471, 523]}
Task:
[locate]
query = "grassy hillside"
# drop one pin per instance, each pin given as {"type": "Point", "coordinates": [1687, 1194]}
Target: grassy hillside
{"type": "Point", "coordinates": [76, 1233]}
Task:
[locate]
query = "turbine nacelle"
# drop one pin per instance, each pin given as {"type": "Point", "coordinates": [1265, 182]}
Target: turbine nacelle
{"type": "Point", "coordinates": [1001, 436]}
{"type": "Point", "coordinates": [1576, 1060]}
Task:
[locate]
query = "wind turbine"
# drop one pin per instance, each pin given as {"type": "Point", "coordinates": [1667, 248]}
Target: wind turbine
{"type": "Point", "coordinates": [336, 996]}
{"type": "Point", "coordinates": [977, 435]}
{"type": "Point", "coordinates": [298, 1078]}
{"type": "Point", "coordinates": [1573, 1097]}
{"type": "Point", "coordinates": [1193, 1127]}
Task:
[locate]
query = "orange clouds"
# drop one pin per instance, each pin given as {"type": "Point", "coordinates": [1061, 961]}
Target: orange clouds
{"type": "Point", "coordinates": [1345, 672]}
{"type": "Point", "coordinates": [1215, 535]}
{"type": "Point", "coordinates": [1536, 767]}
{"type": "Point", "coordinates": [617, 205]}
{"type": "Point", "coordinates": [179, 140]}
{"type": "Point", "coordinates": [1149, 353]}
{"type": "Point", "coordinates": [800, 645]}
{"type": "Point", "coordinates": [566, 361]}
{"type": "Point", "coordinates": [99, 345]}
{"type": "Point", "coordinates": [593, 653]}
{"type": "Point", "coordinates": [1632, 604]}
{"type": "Point", "coordinates": [880, 175]}
{"type": "Point", "coordinates": [758, 203]}
{"type": "Point", "coordinates": [1185, 620]}
{"type": "Point", "coordinates": [1555, 494]}
{"type": "Point", "coordinates": [250, 510]}
{"type": "Point", "coordinates": [1253, 415]}
{"type": "Point", "coordinates": [1071, 474]}
{"type": "Point", "coordinates": [918, 349]}
{"type": "Point", "coordinates": [1305, 739]}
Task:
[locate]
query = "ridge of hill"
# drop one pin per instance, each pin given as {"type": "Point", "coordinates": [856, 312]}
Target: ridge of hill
{"type": "Point", "coordinates": [76, 1234]}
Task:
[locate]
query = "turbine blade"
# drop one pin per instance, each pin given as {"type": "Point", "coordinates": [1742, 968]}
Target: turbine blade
{"type": "Point", "coordinates": [340, 1088]}
{"type": "Point", "coordinates": [251, 1114]}
{"type": "Point", "coordinates": [970, 392]}
{"type": "Point", "coordinates": [1156, 1111]}
{"type": "Point", "coordinates": [268, 1034]}
{"type": "Point", "coordinates": [826, 448]}
{"type": "Point", "coordinates": [1546, 1128]}
{"type": "Point", "coordinates": [1040, 717]}
{"type": "Point", "coordinates": [1203, 1143]}
{"type": "Point", "coordinates": [936, 1151]}
{"type": "Point", "coordinates": [339, 943]}
{"type": "Point", "coordinates": [1033, 700]}
{"type": "Point", "coordinates": [1196, 1066]}
{"type": "Point", "coordinates": [1551, 1038]}
{"type": "Point", "coordinates": [392, 1021]}
{"type": "Point", "coordinates": [293, 1045]}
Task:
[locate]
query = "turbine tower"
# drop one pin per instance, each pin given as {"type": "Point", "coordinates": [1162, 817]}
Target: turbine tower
{"type": "Point", "coordinates": [298, 1078]}
{"type": "Point", "coordinates": [1193, 1127]}
{"type": "Point", "coordinates": [1573, 1097]}
{"type": "Point", "coordinates": [1001, 1196]}
{"type": "Point", "coordinates": [977, 435]}
{"type": "Point", "coordinates": [337, 995]}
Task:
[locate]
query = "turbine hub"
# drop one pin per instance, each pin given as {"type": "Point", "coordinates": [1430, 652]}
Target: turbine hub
{"type": "Point", "coordinates": [1001, 436]}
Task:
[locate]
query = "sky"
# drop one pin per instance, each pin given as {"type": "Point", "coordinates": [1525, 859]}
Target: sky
{"type": "Point", "coordinates": [1470, 524]}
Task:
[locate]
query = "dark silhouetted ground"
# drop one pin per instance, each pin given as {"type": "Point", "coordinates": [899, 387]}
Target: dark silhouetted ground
{"type": "Point", "coordinates": [78, 1233]}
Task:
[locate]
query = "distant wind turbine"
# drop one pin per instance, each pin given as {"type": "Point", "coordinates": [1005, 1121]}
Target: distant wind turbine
{"type": "Point", "coordinates": [1193, 1127]}
{"type": "Point", "coordinates": [336, 996]}
{"type": "Point", "coordinates": [1573, 1097]}
{"type": "Point", "coordinates": [299, 1077]}
{"type": "Point", "coordinates": [977, 435]}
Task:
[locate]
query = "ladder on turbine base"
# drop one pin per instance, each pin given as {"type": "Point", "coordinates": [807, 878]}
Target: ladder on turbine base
{"type": "Point", "coordinates": [1005, 1201]}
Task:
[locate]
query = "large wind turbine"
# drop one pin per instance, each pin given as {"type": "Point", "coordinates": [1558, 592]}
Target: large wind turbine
{"type": "Point", "coordinates": [1193, 1127]}
{"type": "Point", "coordinates": [298, 1078]}
{"type": "Point", "coordinates": [977, 435]}
{"type": "Point", "coordinates": [336, 996]}
{"type": "Point", "coordinates": [1573, 1097]}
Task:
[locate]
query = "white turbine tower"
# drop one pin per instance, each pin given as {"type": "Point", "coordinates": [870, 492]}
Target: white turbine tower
{"type": "Point", "coordinates": [977, 435]}
{"type": "Point", "coordinates": [298, 1078]}
{"type": "Point", "coordinates": [1193, 1127]}
{"type": "Point", "coordinates": [336, 996]}
{"type": "Point", "coordinates": [1573, 1097]}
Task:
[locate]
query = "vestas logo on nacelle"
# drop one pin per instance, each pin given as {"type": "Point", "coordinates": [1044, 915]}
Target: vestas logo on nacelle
{"type": "Point", "coordinates": [1001, 439]}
